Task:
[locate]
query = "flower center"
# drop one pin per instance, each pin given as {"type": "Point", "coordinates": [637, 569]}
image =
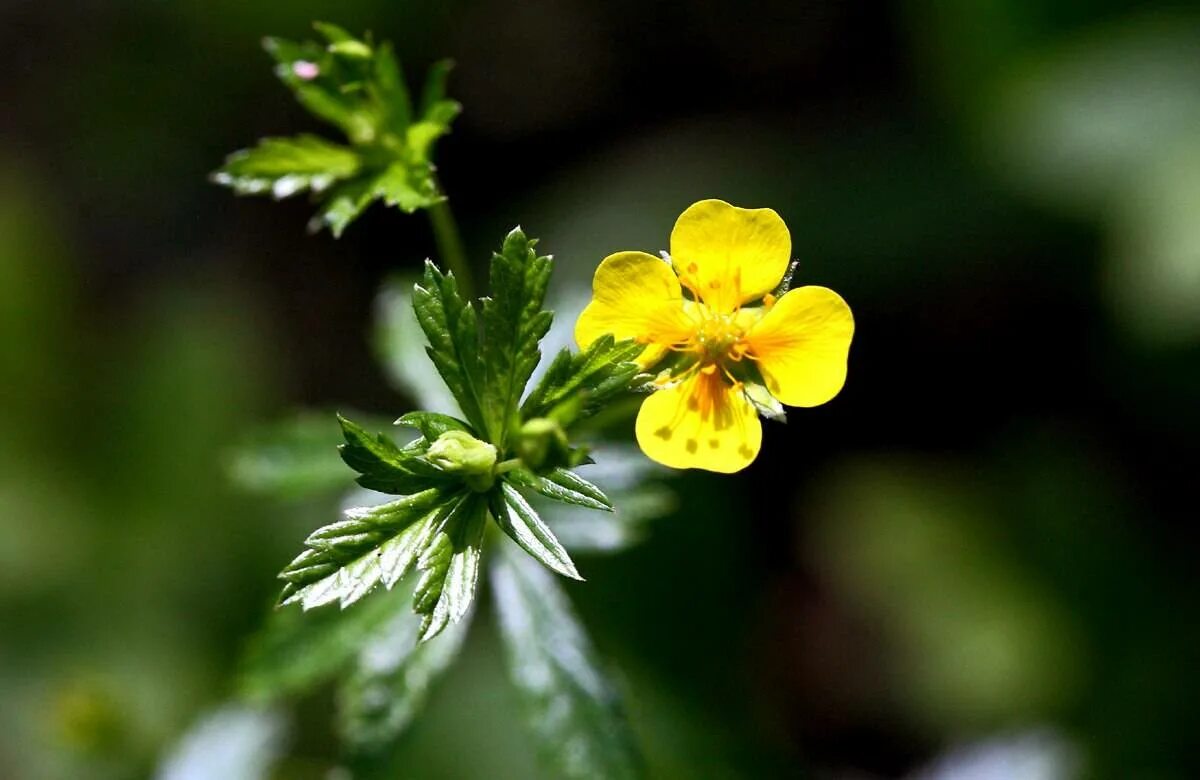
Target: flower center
{"type": "Point", "coordinates": [717, 338]}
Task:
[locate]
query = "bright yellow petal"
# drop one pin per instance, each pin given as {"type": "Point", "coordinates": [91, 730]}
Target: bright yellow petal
{"type": "Point", "coordinates": [635, 296]}
{"type": "Point", "coordinates": [802, 344]}
{"type": "Point", "coordinates": [728, 254]}
{"type": "Point", "coordinates": [700, 423]}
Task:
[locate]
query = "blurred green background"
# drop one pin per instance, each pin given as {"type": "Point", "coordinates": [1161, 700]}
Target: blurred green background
{"type": "Point", "coordinates": [977, 562]}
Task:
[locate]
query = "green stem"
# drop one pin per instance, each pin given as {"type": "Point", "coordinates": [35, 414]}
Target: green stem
{"type": "Point", "coordinates": [450, 246]}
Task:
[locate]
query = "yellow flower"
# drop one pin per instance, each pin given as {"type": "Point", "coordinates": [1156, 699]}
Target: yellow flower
{"type": "Point", "coordinates": [727, 341]}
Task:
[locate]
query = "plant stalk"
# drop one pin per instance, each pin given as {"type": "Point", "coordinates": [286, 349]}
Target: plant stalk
{"type": "Point", "coordinates": [450, 246]}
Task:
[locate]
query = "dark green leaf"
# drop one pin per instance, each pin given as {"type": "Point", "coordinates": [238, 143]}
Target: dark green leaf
{"type": "Point", "coordinates": [383, 466]}
{"type": "Point", "coordinates": [400, 346]}
{"type": "Point", "coordinates": [452, 330]}
{"type": "Point", "coordinates": [392, 679]}
{"type": "Point", "coordinates": [514, 322]}
{"type": "Point", "coordinates": [346, 559]}
{"type": "Point", "coordinates": [574, 710]}
{"type": "Point", "coordinates": [295, 651]}
{"type": "Point", "coordinates": [563, 485]}
{"type": "Point", "coordinates": [518, 519]}
{"type": "Point", "coordinates": [287, 166]}
{"type": "Point", "coordinates": [449, 566]}
{"type": "Point", "coordinates": [582, 382]}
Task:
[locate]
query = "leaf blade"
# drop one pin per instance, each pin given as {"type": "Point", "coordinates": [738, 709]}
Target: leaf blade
{"type": "Point", "coordinates": [518, 519]}
{"type": "Point", "coordinates": [576, 713]}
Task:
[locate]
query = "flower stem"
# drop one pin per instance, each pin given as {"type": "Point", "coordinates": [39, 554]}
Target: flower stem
{"type": "Point", "coordinates": [450, 246]}
{"type": "Point", "coordinates": [505, 466]}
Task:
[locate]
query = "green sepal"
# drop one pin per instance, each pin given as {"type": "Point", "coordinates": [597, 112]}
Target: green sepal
{"type": "Point", "coordinates": [518, 519]}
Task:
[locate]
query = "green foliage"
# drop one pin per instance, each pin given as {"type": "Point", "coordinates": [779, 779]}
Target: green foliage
{"type": "Point", "coordinates": [577, 385]}
{"type": "Point", "coordinates": [514, 322]}
{"type": "Point", "coordinates": [359, 88]}
{"type": "Point", "coordinates": [346, 559]}
{"type": "Point", "coordinates": [518, 519]}
{"type": "Point", "coordinates": [573, 709]}
{"type": "Point", "coordinates": [295, 651]}
{"type": "Point", "coordinates": [563, 485]}
{"type": "Point", "coordinates": [449, 566]}
{"type": "Point", "coordinates": [391, 680]}
{"type": "Point", "coordinates": [290, 459]}
{"type": "Point", "coordinates": [451, 327]}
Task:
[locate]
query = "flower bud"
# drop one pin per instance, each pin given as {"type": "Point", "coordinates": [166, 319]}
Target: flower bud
{"type": "Point", "coordinates": [542, 444]}
{"type": "Point", "coordinates": [458, 452]}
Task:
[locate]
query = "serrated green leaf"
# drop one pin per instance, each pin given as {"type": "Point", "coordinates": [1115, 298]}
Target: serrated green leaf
{"type": "Point", "coordinates": [449, 566]}
{"type": "Point", "coordinates": [295, 651]}
{"type": "Point", "coordinates": [514, 321]}
{"type": "Point", "coordinates": [432, 425]}
{"type": "Point", "coordinates": [284, 167]}
{"type": "Point", "coordinates": [406, 185]}
{"type": "Point", "coordinates": [390, 91]}
{"type": "Point", "coordinates": [348, 558]}
{"type": "Point", "coordinates": [392, 679]}
{"type": "Point", "coordinates": [383, 466]}
{"type": "Point", "coordinates": [582, 382]}
{"type": "Point", "coordinates": [563, 485]}
{"type": "Point", "coordinates": [434, 91]}
{"type": "Point", "coordinates": [575, 712]}
{"type": "Point", "coordinates": [451, 328]}
{"type": "Point", "coordinates": [344, 203]}
{"type": "Point", "coordinates": [400, 347]}
{"type": "Point", "coordinates": [320, 94]}
{"type": "Point", "coordinates": [518, 519]}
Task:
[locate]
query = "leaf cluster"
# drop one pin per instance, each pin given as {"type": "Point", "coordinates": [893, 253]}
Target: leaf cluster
{"type": "Point", "coordinates": [359, 88]}
{"type": "Point", "coordinates": [485, 352]}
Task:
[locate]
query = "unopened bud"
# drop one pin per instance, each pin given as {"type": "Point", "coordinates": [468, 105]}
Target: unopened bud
{"type": "Point", "coordinates": [458, 452]}
{"type": "Point", "coordinates": [542, 444]}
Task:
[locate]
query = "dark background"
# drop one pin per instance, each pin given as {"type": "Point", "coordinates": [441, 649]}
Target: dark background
{"type": "Point", "coordinates": [981, 550]}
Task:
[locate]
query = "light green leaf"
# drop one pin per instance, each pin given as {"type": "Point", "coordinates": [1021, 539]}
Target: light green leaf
{"type": "Point", "coordinates": [407, 186]}
{"type": "Point", "coordinates": [391, 682]}
{"type": "Point", "coordinates": [514, 322]}
{"type": "Point", "coordinates": [390, 91]}
{"type": "Point", "coordinates": [295, 651]}
{"type": "Point", "coordinates": [346, 559]}
{"type": "Point", "coordinates": [451, 328]}
{"type": "Point", "coordinates": [344, 203]}
{"type": "Point", "coordinates": [449, 566]}
{"type": "Point", "coordinates": [577, 384]}
{"type": "Point", "coordinates": [575, 712]}
{"type": "Point", "coordinates": [563, 485]}
{"type": "Point", "coordinates": [294, 458]}
{"type": "Point", "coordinates": [284, 167]}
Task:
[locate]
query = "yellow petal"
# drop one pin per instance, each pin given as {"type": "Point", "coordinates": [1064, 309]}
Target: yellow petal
{"type": "Point", "coordinates": [635, 296]}
{"type": "Point", "coordinates": [802, 344]}
{"type": "Point", "coordinates": [700, 423]}
{"type": "Point", "coordinates": [728, 254]}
